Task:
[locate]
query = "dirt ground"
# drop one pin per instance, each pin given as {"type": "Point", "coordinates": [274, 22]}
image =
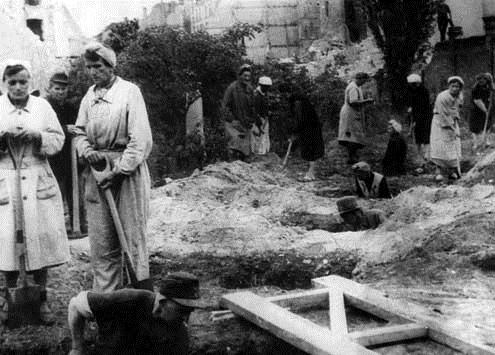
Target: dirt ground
{"type": "Point", "coordinates": [235, 225]}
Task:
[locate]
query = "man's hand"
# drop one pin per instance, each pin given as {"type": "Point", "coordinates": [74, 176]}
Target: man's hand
{"type": "Point", "coordinates": [115, 177]}
{"type": "Point", "coordinates": [71, 129]}
{"type": "Point", "coordinates": [94, 157]}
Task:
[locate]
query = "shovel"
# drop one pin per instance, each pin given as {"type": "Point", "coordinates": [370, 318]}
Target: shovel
{"type": "Point", "coordinates": [25, 300]}
{"type": "Point", "coordinates": [76, 223]}
{"type": "Point", "coordinates": [286, 158]}
{"type": "Point", "coordinates": [100, 175]}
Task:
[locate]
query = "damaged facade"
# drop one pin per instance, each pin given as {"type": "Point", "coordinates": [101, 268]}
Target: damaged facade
{"type": "Point", "coordinates": [42, 32]}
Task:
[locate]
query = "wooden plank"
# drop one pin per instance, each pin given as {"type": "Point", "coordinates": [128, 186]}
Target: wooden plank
{"type": "Point", "coordinates": [296, 330]}
{"type": "Point", "coordinates": [301, 300]}
{"type": "Point", "coordinates": [438, 326]}
{"type": "Point", "coordinates": [338, 319]}
{"type": "Point", "coordinates": [392, 334]}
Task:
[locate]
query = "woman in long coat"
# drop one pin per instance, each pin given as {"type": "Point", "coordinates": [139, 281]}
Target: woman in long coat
{"type": "Point", "coordinates": [351, 123]}
{"type": "Point", "coordinates": [445, 134]}
{"type": "Point", "coordinates": [419, 107]}
{"type": "Point", "coordinates": [30, 121]}
{"type": "Point", "coordinates": [481, 97]}
{"type": "Point", "coordinates": [238, 106]}
{"type": "Point", "coordinates": [113, 124]}
{"type": "Point", "coordinates": [307, 131]}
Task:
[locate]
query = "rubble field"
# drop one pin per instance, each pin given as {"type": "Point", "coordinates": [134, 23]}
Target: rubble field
{"type": "Point", "coordinates": [239, 225]}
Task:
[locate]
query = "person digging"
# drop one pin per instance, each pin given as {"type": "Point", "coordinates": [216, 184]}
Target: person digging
{"type": "Point", "coordinates": [136, 322]}
{"type": "Point", "coordinates": [369, 184]}
{"type": "Point", "coordinates": [355, 218]}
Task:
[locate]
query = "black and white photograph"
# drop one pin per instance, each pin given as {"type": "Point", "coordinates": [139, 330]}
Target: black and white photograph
{"type": "Point", "coordinates": [247, 177]}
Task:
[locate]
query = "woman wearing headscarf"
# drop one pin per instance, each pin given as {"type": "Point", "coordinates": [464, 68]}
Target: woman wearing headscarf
{"type": "Point", "coordinates": [29, 123]}
{"type": "Point", "coordinates": [238, 107]}
{"type": "Point", "coordinates": [113, 127]}
{"type": "Point", "coordinates": [395, 156]}
{"type": "Point", "coordinates": [481, 97]}
{"type": "Point", "coordinates": [419, 107]}
{"type": "Point", "coordinates": [351, 124]}
{"type": "Point", "coordinates": [445, 134]}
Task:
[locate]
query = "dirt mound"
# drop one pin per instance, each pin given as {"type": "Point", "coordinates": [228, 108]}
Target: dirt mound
{"type": "Point", "coordinates": [483, 171]}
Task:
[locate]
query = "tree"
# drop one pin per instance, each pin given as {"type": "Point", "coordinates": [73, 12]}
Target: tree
{"type": "Point", "coordinates": [400, 27]}
{"type": "Point", "coordinates": [119, 35]}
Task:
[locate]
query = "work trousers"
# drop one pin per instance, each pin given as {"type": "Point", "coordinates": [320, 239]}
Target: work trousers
{"type": "Point", "coordinates": [132, 200]}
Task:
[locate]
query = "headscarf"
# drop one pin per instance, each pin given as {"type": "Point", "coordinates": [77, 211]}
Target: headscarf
{"type": "Point", "coordinates": [13, 62]}
{"type": "Point", "coordinates": [245, 67]}
{"type": "Point", "coordinates": [454, 79]}
{"type": "Point", "coordinates": [103, 52]}
{"type": "Point", "coordinates": [361, 166]}
{"type": "Point", "coordinates": [488, 77]}
{"type": "Point", "coordinates": [414, 78]}
{"type": "Point", "coordinates": [395, 125]}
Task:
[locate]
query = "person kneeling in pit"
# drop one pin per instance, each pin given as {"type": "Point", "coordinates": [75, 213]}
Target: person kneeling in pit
{"type": "Point", "coordinates": [369, 184]}
{"type": "Point", "coordinates": [355, 218]}
{"type": "Point", "coordinates": [132, 321]}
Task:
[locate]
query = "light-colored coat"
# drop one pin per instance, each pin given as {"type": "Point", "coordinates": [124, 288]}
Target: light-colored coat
{"type": "Point", "coordinates": [445, 137]}
{"type": "Point", "coordinates": [46, 238]}
{"type": "Point", "coordinates": [117, 125]}
{"type": "Point", "coordinates": [351, 123]}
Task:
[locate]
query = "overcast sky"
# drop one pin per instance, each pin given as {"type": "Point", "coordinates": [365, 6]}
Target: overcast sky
{"type": "Point", "coordinates": [94, 15]}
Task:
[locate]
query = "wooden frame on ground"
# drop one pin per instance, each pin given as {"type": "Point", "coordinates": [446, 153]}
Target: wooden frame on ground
{"type": "Point", "coordinates": [408, 321]}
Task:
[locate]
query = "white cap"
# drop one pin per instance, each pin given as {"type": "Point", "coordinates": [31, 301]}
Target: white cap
{"type": "Point", "coordinates": [264, 80]}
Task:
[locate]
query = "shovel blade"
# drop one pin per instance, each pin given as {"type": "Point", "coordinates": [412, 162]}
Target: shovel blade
{"type": "Point", "coordinates": [24, 306]}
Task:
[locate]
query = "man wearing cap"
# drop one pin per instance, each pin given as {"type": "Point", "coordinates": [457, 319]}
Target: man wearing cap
{"type": "Point", "coordinates": [113, 128]}
{"type": "Point", "coordinates": [238, 108]}
{"type": "Point", "coordinates": [260, 138]}
{"type": "Point", "coordinates": [355, 218]}
{"type": "Point", "coordinates": [369, 184]}
{"type": "Point", "coordinates": [66, 114]}
{"type": "Point", "coordinates": [138, 321]}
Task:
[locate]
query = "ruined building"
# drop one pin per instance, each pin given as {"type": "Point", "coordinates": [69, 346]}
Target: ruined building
{"type": "Point", "coordinates": [42, 32]}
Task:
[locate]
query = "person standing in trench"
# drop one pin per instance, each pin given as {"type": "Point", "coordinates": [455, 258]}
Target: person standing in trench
{"type": "Point", "coordinates": [113, 125]}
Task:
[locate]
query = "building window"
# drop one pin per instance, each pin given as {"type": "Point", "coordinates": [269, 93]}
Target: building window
{"type": "Point", "coordinates": [33, 2]}
{"type": "Point", "coordinates": [327, 8]}
{"type": "Point", "coordinates": [36, 26]}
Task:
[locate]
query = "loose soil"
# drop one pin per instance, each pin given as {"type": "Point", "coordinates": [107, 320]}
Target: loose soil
{"type": "Point", "coordinates": [239, 225]}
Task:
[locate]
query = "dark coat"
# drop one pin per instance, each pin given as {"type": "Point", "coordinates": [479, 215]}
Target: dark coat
{"type": "Point", "coordinates": [307, 127]}
{"type": "Point", "coordinates": [422, 113]}
{"type": "Point", "coordinates": [478, 117]}
{"type": "Point", "coordinates": [395, 155]}
{"type": "Point", "coordinates": [126, 325]}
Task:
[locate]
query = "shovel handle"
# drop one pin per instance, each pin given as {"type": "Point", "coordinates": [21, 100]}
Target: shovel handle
{"type": "Point", "coordinates": [76, 223]}
{"type": "Point", "coordinates": [284, 163]}
{"type": "Point", "coordinates": [121, 235]}
{"type": "Point", "coordinates": [16, 151]}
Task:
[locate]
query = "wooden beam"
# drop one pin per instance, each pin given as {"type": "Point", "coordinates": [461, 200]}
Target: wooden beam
{"type": "Point", "coordinates": [439, 328]}
{"type": "Point", "coordinates": [336, 307]}
{"type": "Point", "coordinates": [392, 334]}
{"type": "Point", "coordinates": [296, 330]}
{"type": "Point", "coordinates": [301, 300]}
